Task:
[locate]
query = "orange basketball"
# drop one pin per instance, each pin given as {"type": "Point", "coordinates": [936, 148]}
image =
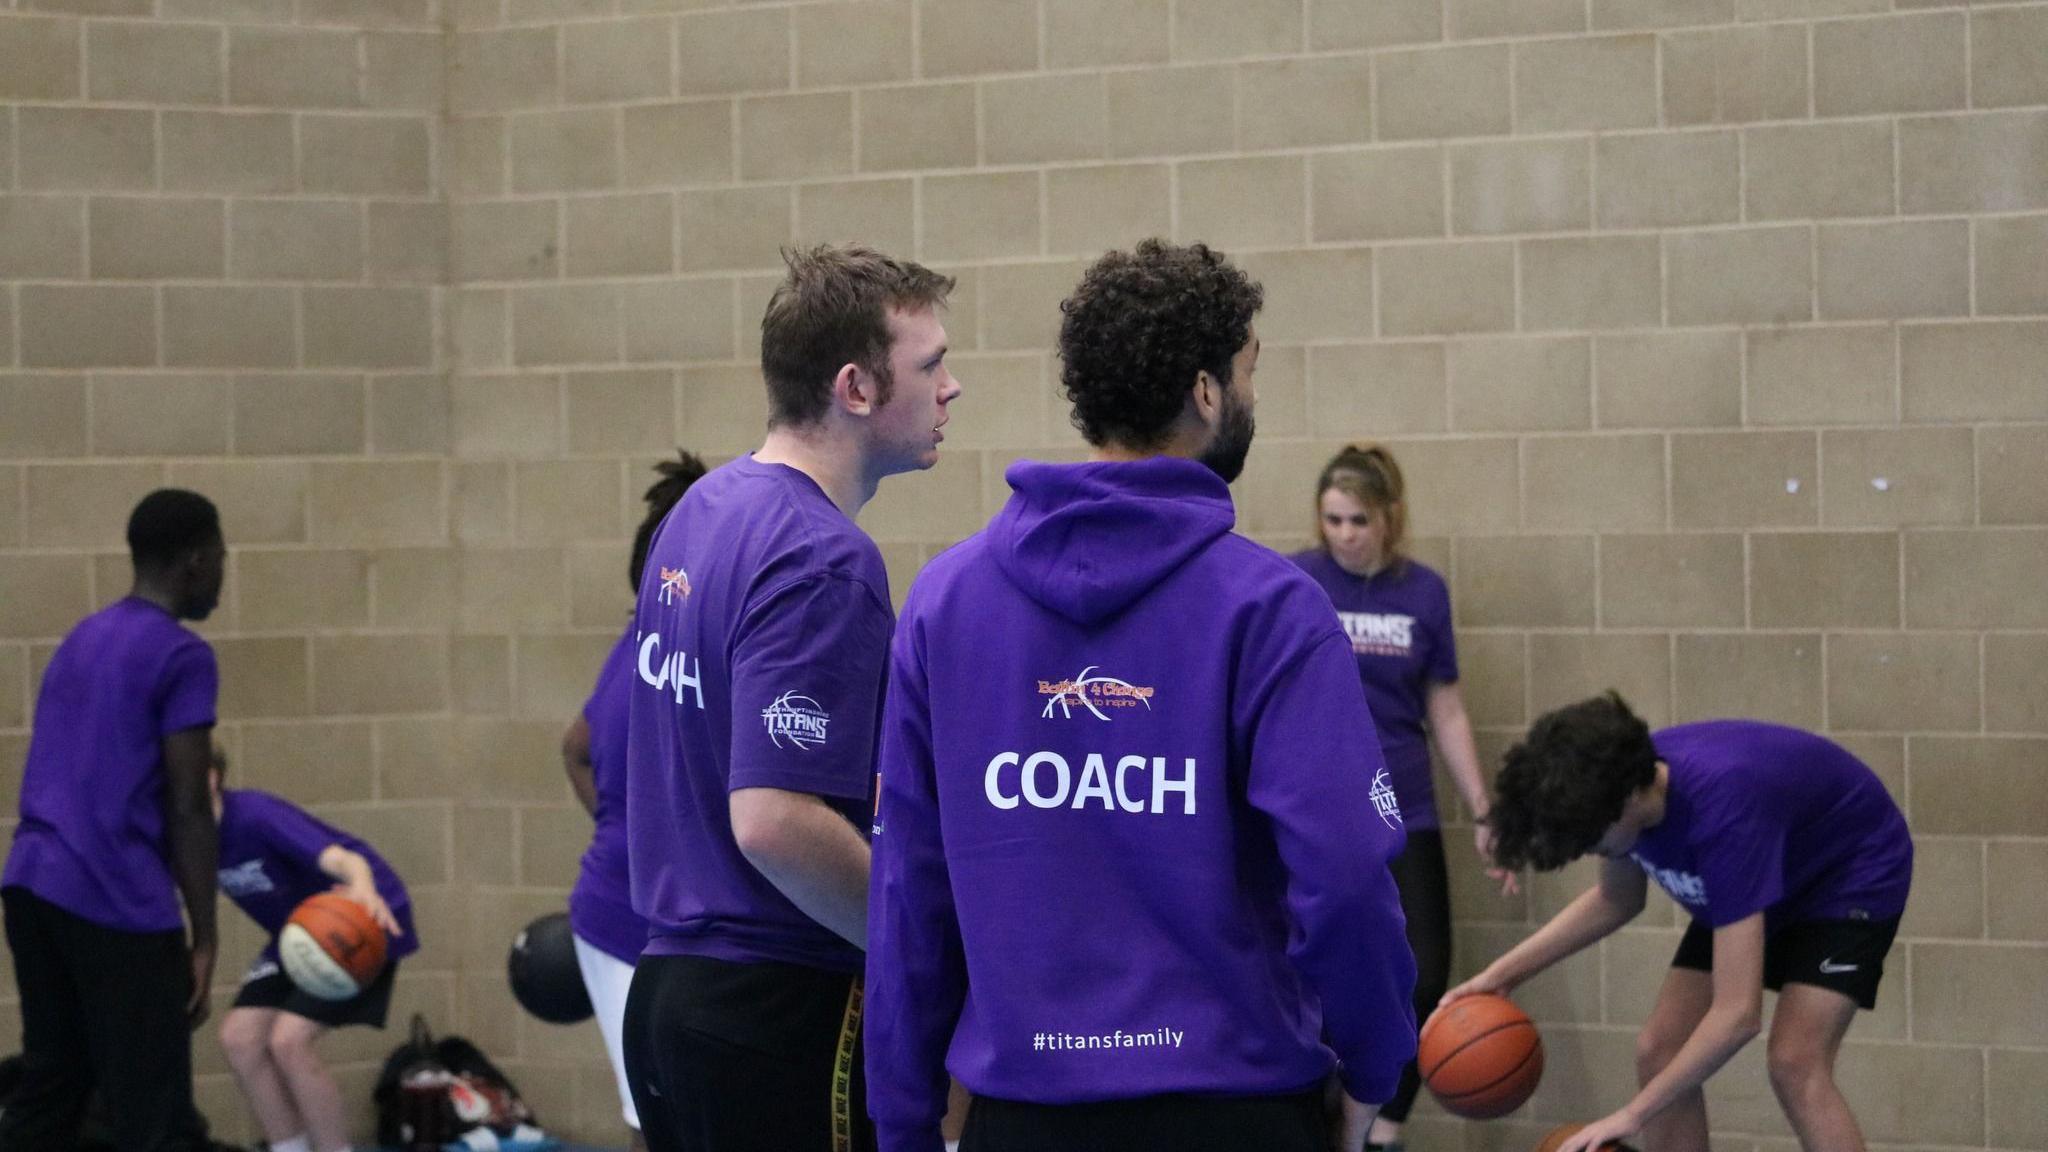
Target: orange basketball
{"type": "Point", "coordinates": [1481, 1056]}
{"type": "Point", "coordinates": [1563, 1132]}
{"type": "Point", "coordinates": [331, 948]}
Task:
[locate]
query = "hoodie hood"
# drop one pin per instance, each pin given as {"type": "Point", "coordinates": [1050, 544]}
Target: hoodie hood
{"type": "Point", "coordinates": [1086, 540]}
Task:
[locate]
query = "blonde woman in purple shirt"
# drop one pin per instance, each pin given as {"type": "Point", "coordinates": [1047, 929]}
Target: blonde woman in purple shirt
{"type": "Point", "coordinates": [1792, 858]}
{"type": "Point", "coordinates": [1396, 611]}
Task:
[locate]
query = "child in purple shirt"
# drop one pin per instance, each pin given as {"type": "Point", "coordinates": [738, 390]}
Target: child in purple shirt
{"type": "Point", "coordinates": [1793, 860]}
{"type": "Point", "coordinates": [609, 934]}
{"type": "Point", "coordinates": [273, 855]}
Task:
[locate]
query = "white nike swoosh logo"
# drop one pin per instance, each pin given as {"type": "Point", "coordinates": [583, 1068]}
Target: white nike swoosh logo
{"type": "Point", "coordinates": [1829, 967]}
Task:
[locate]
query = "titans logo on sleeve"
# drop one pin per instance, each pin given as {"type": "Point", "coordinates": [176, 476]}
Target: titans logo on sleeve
{"type": "Point", "coordinates": [795, 721]}
{"type": "Point", "coordinates": [1385, 801]}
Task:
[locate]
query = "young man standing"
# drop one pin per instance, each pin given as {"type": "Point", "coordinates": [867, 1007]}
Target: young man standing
{"type": "Point", "coordinates": [1790, 855]}
{"type": "Point", "coordinates": [117, 827]}
{"type": "Point", "coordinates": [759, 642]}
{"type": "Point", "coordinates": [1130, 853]}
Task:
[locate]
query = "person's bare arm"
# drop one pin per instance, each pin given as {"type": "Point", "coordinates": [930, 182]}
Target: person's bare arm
{"type": "Point", "coordinates": [809, 852]}
{"type": "Point", "coordinates": [359, 884]}
{"type": "Point", "coordinates": [1452, 730]}
{"type": "Point", "coordinates": [1598, 911]}
{"type": "Point", "coordinates": [576, 762]}
{"type": "Point", "coordinates": [1732, 1021]}
{"type": "Point", "coordinates": [195, 853]}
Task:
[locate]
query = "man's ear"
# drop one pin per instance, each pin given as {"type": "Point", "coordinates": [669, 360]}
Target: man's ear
{"type": "Point", "coordinates": [1207, 397]}
{"type": "Point", "coordinates": [186, 571]}
{"type": "Point", "coordinates": [855, 390]}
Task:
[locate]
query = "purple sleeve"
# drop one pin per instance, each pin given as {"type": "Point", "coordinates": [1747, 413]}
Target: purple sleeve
{"type": "Point", "coordinates": [290, 832]}
{"type": "Point", "coordinates": [917, 968]}
{"type": "Point", "coordinates": [1443, 641]}
{"type": "Point", "coordinates": [1307, 776]}
{"type": "Point", "coordinates": [806, 688]}
{"type": "Point", "coordinates": [1741, 855]}
{"type": "Point", "coordinates": [189, 688]}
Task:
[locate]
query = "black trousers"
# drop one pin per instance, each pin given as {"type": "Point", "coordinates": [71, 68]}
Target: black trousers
{"type": "Point", "coordinates": [728, 1057]}
{"type": "Point", "coordinates": [104, 1011]}
{"type": "Point", "coordinates": [1425, 884]}
{"type": "Point", "coordinates": [1291, 1123]}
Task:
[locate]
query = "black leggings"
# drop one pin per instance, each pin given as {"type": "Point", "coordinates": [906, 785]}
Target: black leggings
{"type": "Point", "coordinates": [1425, 884]}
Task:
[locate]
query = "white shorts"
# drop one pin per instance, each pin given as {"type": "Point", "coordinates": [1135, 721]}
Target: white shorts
{"type": "Point", "coordinates": [609, 978]}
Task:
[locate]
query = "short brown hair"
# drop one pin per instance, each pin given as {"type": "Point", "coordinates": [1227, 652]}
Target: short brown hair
{"type": "Point", "coordinates": [831, 310]}
{"type": "Point", "coordinates": [1367, 473]}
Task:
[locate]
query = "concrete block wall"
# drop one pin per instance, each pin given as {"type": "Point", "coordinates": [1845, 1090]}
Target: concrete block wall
{"type": "Point", "coordinates": [1710, 334]}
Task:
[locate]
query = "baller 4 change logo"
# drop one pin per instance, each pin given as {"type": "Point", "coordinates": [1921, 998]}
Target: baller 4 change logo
{"type": "Point", "coordinates": [1097, 695]}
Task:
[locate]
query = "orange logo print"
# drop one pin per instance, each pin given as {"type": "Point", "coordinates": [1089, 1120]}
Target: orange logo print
{"type": "Point", "coordinates": [673, 581]}
{"type": "Point", "coordinates": [1093, 693]}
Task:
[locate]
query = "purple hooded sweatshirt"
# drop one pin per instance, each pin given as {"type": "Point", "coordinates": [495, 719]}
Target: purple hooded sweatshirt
{"type": "Point", "coordinates": [1123, 845]}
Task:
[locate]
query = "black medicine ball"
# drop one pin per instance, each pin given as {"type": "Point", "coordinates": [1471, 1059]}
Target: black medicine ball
{"type": "Point", "coordinates": [545, 977]}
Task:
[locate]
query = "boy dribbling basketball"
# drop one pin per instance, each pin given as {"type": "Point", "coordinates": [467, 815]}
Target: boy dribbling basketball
{"type": "Point", "coordinates": [1793, 860]}
{"type": "Point", "coordinates": [273, 855]}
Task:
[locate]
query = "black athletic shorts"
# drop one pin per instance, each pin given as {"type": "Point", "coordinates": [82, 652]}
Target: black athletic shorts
{"type": "Point", "coordinates": [265, 985]}
{"type": "Point", "coordinates": [1846, 956]}
{"type": "Point", "coordinates": [1290, 1123]}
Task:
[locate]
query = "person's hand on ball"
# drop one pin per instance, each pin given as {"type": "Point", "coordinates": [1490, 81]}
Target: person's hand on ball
{"type": "Point", "coordinates": [1609, 1129]}
{"type": "Point", "coordinates": [372, 903]}
{"type": "Point", "coordinates": [1483, 983]}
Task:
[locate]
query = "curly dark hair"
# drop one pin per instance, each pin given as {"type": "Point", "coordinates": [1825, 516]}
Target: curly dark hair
{"type": "Point", "coordinates": [676, 477]}
{"type": "Point", "coordinates": [1565, 785]}
{"type": "Point", "coordinates": [1139, 328]}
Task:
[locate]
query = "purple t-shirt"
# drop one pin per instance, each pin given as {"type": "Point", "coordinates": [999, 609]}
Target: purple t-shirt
{"type": "Point", "coordinates": [1399, 623]}
{"type": "Point", "coordinates": [601, 904]}
{"type": "Point", "coordinates": [1129, 840]}
{"type": "Point", "coordinates": [270, 862]}
{"type": "Point", "coordinates": [759, 645]}
{"type": "Point", "coordinates": [92, 838]}
{"type": "Point", "coordinates": [1763, 818]}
